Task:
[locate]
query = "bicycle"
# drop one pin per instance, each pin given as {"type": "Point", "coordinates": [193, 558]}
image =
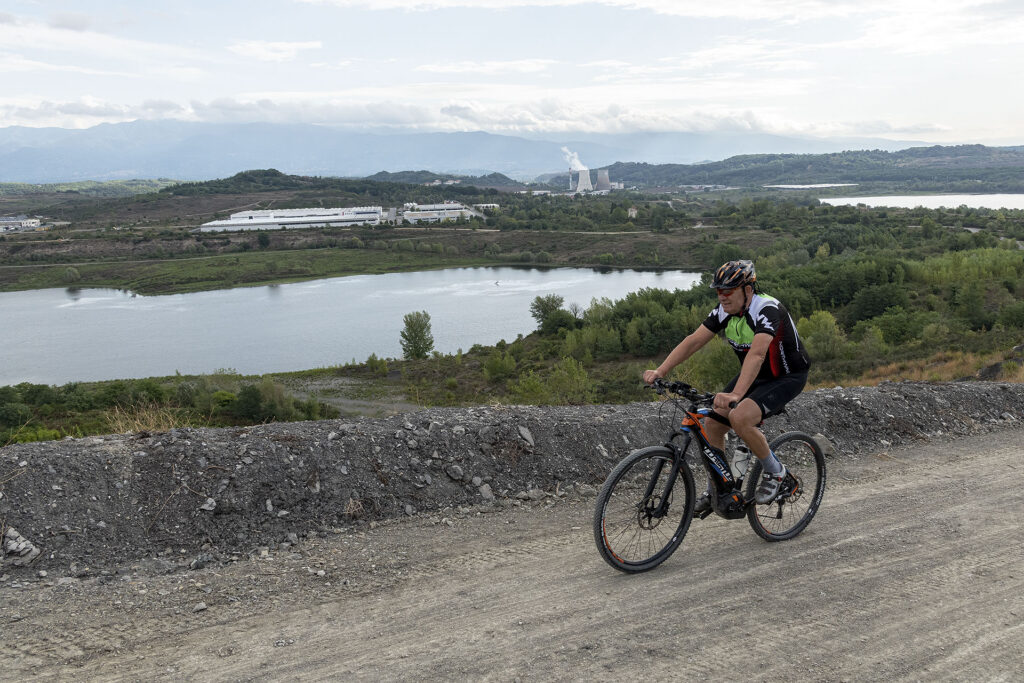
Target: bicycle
{"type": "Point", "coordinates": [635, 501]}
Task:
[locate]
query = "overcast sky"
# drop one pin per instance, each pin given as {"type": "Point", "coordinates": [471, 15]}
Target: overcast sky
{"type": "Point", "coordinates": [935, 70]}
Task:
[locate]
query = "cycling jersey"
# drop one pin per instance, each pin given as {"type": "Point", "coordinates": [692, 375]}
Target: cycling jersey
{"type": "Point", "coordinates": [764, 314]}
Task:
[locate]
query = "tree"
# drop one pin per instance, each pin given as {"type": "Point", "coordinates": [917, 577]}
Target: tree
{"type": "Point", "coordinates": [417, 339]}
{"type": "Point", "coordinates": [544, 306]}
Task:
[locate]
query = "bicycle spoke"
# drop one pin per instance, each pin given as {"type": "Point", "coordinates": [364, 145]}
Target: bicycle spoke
{"type": "Point", "coordinates": [634, 529]}
{"type": "Point", "coordinates": [793, 510]}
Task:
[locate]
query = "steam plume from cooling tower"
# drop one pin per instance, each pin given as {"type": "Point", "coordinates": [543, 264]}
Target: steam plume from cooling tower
{"type": "Point", "coordinates": [573, 159]}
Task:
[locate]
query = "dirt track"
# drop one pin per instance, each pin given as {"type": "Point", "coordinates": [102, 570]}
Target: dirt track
{"type": "Point", "coordinates": [912, 570]}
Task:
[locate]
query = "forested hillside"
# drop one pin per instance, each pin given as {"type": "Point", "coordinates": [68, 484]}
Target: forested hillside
{"type": "Point", "coordinates": [961, 168]}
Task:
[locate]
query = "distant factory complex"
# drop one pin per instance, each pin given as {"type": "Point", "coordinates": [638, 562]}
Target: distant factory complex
{"type": "Point", "coordinates": [18, 223]}
{"type": "Point", "coordinates": [281, 219]}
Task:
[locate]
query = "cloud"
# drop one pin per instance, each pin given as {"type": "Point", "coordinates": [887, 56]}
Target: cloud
{"type": "Point", "coordinates": [344, 110]}
{"type": "Point", "coordinates": [269, 51]}
{"type": "Point", "coordinates": [522, 66]}
{"type": "Point", "coordinates": [69, 21]}
{"type": "Point", "coordinates": [88, 46]}
{"type": "Point", "coordinates": [10, 62]}
{"type": "Point", "coordinates": [748, 10]}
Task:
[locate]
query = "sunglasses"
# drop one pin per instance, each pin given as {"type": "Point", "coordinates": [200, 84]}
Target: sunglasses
{"type": "Point", "coordinates": [727, 292]}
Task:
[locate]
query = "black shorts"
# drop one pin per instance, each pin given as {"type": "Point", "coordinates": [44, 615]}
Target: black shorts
{"type": "Point", "coordinates": [772, 395]}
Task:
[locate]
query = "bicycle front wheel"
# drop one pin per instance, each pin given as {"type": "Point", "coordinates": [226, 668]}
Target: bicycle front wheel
{"type": "Point", "coordinates": [643, 511]}
{"type": "Point", "coordinates": [801, 491]}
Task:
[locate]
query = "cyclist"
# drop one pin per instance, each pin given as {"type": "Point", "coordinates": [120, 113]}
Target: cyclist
{"type": "Point", "coordinates": [773, 368]}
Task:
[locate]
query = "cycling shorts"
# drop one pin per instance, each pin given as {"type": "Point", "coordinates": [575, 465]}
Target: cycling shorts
{"type": "Point", "coordinates": [772, 395]}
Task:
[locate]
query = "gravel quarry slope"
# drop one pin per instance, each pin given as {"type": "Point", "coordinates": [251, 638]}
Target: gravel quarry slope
{"type": "Point", "coordinates": [194, 497]}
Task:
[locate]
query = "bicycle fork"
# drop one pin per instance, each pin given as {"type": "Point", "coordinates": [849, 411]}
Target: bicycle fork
{"type": "Point", "coordinates": [678, 455]}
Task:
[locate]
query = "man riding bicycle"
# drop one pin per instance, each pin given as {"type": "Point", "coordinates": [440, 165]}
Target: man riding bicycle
{"type": "Point", "coordinates": [773, 368]}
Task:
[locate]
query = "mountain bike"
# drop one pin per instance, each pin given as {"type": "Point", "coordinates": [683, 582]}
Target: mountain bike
{"type": "Point", "coordinates": [646, 504]}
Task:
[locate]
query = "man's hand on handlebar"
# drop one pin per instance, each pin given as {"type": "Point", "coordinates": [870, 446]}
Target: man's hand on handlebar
{"type": "Point", "coordinates": [725, 401]}
{"type": "Point", "coordinates": [650, 376]}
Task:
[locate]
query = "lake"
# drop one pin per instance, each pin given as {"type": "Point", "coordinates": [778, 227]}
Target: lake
{"type": "Point", "coordinates": [950, 201]}
{"type": "Point", "coordinates": [54, 336]}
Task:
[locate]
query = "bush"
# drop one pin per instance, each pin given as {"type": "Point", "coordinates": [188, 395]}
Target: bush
{"type": "Point", "coordinates": [378, 367]}
{"type": "Point", "coordinates": [822, 336]}
{"type": "Point", "coordinates": [499, 365]}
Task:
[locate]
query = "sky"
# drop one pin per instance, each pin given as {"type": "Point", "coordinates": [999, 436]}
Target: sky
{"type": "Point", "coordinates": [942, 71]}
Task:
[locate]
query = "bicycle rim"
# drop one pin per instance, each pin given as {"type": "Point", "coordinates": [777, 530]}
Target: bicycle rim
{"type": "Point", "coordinates": [630, 530]}
{"type": "Point", "coordinates": [802, 490]}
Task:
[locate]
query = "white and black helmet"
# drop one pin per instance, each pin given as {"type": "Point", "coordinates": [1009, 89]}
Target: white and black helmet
{"type": "Point", "coordinates": [734, 274]}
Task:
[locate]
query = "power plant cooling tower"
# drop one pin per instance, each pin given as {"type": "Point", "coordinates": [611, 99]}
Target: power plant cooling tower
{"type": "Point", "coordinates": [603, 184]}
{"type": "Point", "coordinates": [584, 182]}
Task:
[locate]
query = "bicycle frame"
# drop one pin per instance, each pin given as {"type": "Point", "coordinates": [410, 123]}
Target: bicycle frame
{"type": "Point", "coordinates": [727, 497]}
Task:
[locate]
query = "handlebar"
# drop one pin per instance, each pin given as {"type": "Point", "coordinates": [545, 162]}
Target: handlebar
{"type": "Point", "coordinates": [681, 389]}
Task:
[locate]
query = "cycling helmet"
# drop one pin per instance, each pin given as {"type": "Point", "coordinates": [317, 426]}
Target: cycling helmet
{"type": "Point", "coordinates": [734, 274]}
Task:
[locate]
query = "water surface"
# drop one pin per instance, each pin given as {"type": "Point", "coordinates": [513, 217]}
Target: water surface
{"type": "Point", "coordinates": [949, 201]}
{"type": "Point", "coordinates": [54, 336]}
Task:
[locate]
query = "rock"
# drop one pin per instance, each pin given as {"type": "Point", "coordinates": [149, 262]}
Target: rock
{"type": "Point", "coordinates": [455, 472]}
{"type": "Point", "coordinates": [22, 550]}
{"type": "Point", "coordinates": [827, 449]}
{"type": "Point", "coordinates": [332, 436]}
{"type": "Point", "coordinates": [458, 430]}
{"type": "Point", "coordinates": [488, 434]}
{"type": "Point", "coordinates": [410, 510]}
{"type": "Point", "coordinates": [201, 561]}
{"type": "Point", "coordinates": [536, 494]}
{"type": "Point", "coordinates": [477, 481]}
{"type": "Point", "coordinates": [527, 436]}
{"type": "Point", "coordinates": [486, 493]}
{"type": "Point", "coordinates": [200, 607]}
{"type": "Point", "coordinates": [210, 505]}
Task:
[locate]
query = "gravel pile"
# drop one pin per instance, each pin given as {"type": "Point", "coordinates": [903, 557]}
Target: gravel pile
{"type": "Point", "coordinates": [198, 496]}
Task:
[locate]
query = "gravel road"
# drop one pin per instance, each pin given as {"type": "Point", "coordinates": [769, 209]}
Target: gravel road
{"type": "Point", "coordinates": [912, 570]}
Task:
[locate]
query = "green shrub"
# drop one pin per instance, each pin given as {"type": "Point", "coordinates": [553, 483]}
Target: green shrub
{"type": "Point", "coordinates": [499, 365]}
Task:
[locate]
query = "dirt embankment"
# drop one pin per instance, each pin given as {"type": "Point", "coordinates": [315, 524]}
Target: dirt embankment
{"type": "Point", "coordinates": [194, 497]}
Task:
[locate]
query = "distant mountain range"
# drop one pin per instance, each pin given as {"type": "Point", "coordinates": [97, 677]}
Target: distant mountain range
{"type": "Point", "coordinates": [202, 151]}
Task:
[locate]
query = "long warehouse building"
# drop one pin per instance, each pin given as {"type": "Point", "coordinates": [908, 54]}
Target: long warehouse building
{"type": "Point", "coordinates": [281, 219]}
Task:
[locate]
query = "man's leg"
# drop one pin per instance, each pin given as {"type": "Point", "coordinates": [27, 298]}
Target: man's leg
{"type": "Point", "coordinates": [745, 418]}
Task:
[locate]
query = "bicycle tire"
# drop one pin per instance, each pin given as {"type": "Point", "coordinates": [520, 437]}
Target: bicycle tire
{"type": "Point", "coordinates": [628, 537]}
{"type": "Point", "coordinates": [793, 510]}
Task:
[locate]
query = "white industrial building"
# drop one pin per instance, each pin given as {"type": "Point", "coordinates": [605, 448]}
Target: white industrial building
{"type": "Point", "coordinates": [281, 219]}
{"type": "Point", "coordinates": [15, 223]}
{"type": "Point", "coordinates": [435, 213]}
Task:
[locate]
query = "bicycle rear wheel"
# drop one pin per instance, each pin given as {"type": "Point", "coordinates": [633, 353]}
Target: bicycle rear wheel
{"type": "Point", "coordinates": [633, 530]}
{"type": "Point", "coordinates": [801, 492]}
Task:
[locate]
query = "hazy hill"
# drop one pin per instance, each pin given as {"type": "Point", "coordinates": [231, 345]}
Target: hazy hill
{"type": "Point", "coordinates": [498, 181]}
{"type": "Point", "coordinates": [202, 151]}
{"type": "Point", "coordinates": [999, 168]}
